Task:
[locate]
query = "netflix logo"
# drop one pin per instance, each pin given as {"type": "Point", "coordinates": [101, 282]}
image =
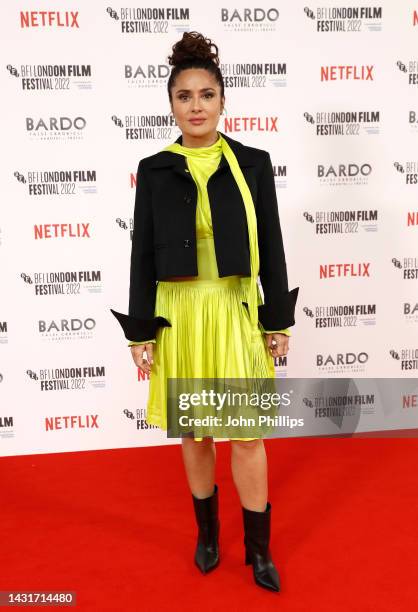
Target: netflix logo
{"type": "Point", "coordinates": [347, 73]}
{"type": "Point", "coordinates": [342, 270]}
{"type": "Point", "coordinates": [51, 19]}
{"type": "Point", "coordinates": [62, 230]}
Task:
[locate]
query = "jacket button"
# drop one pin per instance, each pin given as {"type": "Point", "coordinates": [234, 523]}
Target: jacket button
{"type": "Point", "coordinates": [187, 199]}
{"type": "Point", "coordinates": [186, 243]}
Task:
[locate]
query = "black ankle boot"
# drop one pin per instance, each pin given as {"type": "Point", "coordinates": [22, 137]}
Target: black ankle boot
{"type": "Point", "coordinates": [257, 552]}
{"type": "Point", "coordinates": [207, 549]}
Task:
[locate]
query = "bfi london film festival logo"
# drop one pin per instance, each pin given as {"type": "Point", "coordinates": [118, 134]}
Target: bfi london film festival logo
{"type": "Point", "coordinates": [254, 19]}
{"type": "Point", "coordinates": [340, 406]}
{"type": "Point", "coordinates": [342, 174]}
{"type": "Point", "coordinates": [407, 266]}
{"type": "Point", "coordinates": [408, 171]}
{"type": "Point", "coordinates": [344, 123]}
{"type": "Point", "coordinates": [63, 282]}
{"type": "Point", "coordinates": [58, 183]}
{"type": "Point", "coordinates": [75, 378]}
{"type": "Point", "coordinates": [332, 222]}
{"type": "Point", "coordinates": [67, 329]}
{"type": "Point", "coordinates": [6, 427]}
{"type": "Point", "coordinates": [150, 20]}
{"type": "Point", "coordinates": [4, 338]}
{"type": "Point", "coordinates": [139, 418]}
{"type": "Point", "coordinates": [126, 225]}
{"type": "Point", "coordinates": [341, 316]}
{"type": "Point", "coordinates": [342, 19]}
{"type": "Point", "coordinates": [57, 129]}
{"type": "Point", "coordinates": [406, 359]}
{"type": "Point", "coordinates": [410, 70]}
{"type": "Point", "coordinates": [254, 75]}
{"type": "Point", "coordinates": [52, 77]}
{"type": "Point", "coordinates": [146, 127]}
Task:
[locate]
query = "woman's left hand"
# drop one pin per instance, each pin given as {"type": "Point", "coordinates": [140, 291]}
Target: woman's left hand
{"type": "Point", "coordinates": [278, 344]}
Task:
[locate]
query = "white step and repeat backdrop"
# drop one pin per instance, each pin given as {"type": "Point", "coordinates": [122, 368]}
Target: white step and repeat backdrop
{"type": "Point", "coordinates": [330, 90]}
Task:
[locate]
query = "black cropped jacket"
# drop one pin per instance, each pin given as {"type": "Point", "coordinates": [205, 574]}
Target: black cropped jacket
{"type": "Point", "coordinates": [164, 235]}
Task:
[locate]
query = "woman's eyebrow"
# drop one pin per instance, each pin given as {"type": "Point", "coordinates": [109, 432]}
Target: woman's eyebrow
{"type": "Point", "coordinates": [188, 90]}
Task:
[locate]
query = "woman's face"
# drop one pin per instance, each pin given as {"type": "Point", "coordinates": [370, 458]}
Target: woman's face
{"type": "Point", "coordinates": [196, 104]}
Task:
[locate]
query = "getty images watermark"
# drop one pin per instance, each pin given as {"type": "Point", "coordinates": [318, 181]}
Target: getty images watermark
{"type": "Point", "coordinates": [291, 407]}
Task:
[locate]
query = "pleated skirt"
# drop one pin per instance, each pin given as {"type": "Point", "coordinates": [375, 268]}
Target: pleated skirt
{"type": "Point", "coordinates": [210, 333]}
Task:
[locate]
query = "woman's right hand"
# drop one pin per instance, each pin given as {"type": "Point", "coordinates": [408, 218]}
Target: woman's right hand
{"type": "Point", "coordinates": [137, 352]}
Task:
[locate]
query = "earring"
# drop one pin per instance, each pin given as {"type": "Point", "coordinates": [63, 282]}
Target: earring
{"type": "Point", "coordinates": [224, 111]}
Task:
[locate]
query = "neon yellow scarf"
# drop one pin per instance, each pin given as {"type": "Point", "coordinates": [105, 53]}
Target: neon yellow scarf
{"type": "Point", "coordinates": [250, 285]}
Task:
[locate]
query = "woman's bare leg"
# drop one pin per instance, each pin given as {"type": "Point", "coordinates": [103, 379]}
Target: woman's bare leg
{"type": "Point", "coordinates": [249, 472]}
{"type": "Point", "coordinates": [199, 460]}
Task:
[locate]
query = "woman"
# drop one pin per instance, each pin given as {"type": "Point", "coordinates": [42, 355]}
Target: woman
{"type": "Point", "coordinates": [194, 303]}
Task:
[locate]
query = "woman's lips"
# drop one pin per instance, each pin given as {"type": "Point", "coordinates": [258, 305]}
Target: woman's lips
{"type": "Point", "coordinates": [197, 121]}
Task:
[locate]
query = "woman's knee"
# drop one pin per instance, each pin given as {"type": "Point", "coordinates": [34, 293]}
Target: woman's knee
{"type": "Point", "coordinates": [246, 445]}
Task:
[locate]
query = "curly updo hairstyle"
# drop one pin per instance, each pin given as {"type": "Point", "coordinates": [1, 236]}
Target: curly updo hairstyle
{"type": "Point", "coordinates": [194, 51]}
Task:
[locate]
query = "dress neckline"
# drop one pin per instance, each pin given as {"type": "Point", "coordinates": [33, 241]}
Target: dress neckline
{"type": "Point", "coordinates": [200, 151]}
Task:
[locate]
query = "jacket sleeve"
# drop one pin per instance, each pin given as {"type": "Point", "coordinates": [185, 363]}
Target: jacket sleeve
{"type": "Point", "coordinates": [278, 310]}
{"type": "Point", "coordinates": [141, 324]}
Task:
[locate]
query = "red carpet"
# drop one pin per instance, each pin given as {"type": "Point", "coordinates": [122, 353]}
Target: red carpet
{"type": "Point", "coordinates": [117, 528]}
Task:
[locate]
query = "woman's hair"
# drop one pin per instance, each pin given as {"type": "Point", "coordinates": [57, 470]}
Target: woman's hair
{"type": "Point", "coordinates": [194, 51]}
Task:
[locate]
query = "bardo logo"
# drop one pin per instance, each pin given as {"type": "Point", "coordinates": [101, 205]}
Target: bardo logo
{"type": "Point", "coordinates": [155, 20]}
{"type": "Point", "coordinates": [410, 311]}
{"type": "Point", "coordinates": [342, 221]}
{"type": "Point", "coordinates": [52, 77]}
{"type": "Point", "coordinates": [51, 19]}
{"type": "Point", "coordinates": [78, 378]}
{"type": "Point", "coordinates": [249, 19]}
{"type": "Point", "coordinates": [346, 18]}
{"type": "Point", "coordinates": [344, 123]}
{"type": "Point", "coordinates": [344, 270]}
{"type": "Point", "coordinates": [66, 329]}
{"type": "Point", "coordinates": [74, 421]}
{"type": "Point", "coordinates": [61, 230]}
{"type": "Point", "coordinates": [149, 76]}
{"type": "Point", "coordinates": [342, 315]}
{"type": "Point", "coordinates": [73, 282]}
{"type": "Point", "coordinates": [408, 265]}
{"type": "Point", "coordinates": [348, 362]}
{"type": "Point", "coordinates": [58, 183]}
{"type": "Point", "coordinates": [346, 73]}
{"type": "Point", "coordinates": [344, 174]}
{"type": "Point", "coordinates": [409, 169]}
{"type": "Point", "coordinates": [56, 128]}
{"type": "Point", "coordinates": [407, 358]}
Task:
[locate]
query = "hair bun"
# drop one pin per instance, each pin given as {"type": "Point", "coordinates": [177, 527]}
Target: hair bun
{"type": "Point", "coordinates": [193, 45]}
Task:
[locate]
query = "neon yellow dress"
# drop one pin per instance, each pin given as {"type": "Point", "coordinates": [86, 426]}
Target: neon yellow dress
{"type": "Point", "coordinates": [210, 328]}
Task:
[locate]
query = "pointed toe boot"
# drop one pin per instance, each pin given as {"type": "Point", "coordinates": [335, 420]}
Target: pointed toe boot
{"type": "Point", "coordinates": [257, 551]}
